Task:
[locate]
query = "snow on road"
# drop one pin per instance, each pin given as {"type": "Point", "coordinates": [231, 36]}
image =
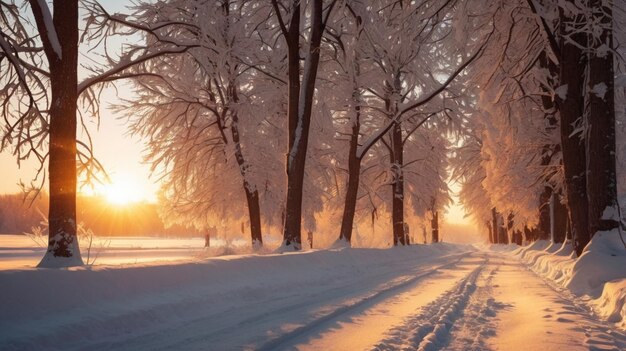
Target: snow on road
{"type": "Point", "coordinates": [438, 297]}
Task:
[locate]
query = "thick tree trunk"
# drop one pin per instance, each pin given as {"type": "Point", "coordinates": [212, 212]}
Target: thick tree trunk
{"type": "Point", "coordinates": [299, 136]}
{"type": "Point", "coordinates": [559, 216]}
{"type": "Point", "coordinates": [397, 162]}
{"type": "Point", "coordinates": [354, 173]}
{"type": "Point", "coordinates": [63, 241]}
{"type": "Point", "coordinates": [600, 128]}
{"type": "Point", "coordinates": [570, 103]}
{"type": "Point", "coordinates": [254, 213]}
{"type": "Point", "coordinates": [435, 227]}
{"type": "Point", "coordinates": [543, 227]}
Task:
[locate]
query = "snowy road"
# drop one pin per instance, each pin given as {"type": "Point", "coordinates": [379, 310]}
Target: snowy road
{"type": "Point", "coordinates": [400, 299]}
{"type": "Point", "coordinates": [483, 302]}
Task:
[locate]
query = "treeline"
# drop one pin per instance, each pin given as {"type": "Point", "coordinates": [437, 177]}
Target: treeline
{"type": "Point", "coordinates": [18, 215]}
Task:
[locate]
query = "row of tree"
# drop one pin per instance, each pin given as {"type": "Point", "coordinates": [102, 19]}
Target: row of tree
{"type": "Point", "coordinates": [283, 111]}
{"type": "Point", "coordinates": [219, 110]}
{"type": "Point", "coordinates": [541, 158]}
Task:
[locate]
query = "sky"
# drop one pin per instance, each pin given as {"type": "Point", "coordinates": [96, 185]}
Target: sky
{"type": "Point", "coordinates": [121, 156]}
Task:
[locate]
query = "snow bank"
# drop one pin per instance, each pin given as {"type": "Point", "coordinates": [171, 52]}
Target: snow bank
{"type": "Point", "coordinates": [603, 260]}
{"type": "Point", "coordinates": [599, 274]}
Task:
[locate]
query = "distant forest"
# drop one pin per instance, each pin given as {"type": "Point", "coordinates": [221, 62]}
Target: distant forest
{"type": "Point", "coordinates": [139, 219]}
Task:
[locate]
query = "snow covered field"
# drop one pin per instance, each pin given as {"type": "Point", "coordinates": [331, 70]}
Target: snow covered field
{"type": "Point", "coordinates": [435, 297]}
{"type": "Point", "coordinates": [19, 251]}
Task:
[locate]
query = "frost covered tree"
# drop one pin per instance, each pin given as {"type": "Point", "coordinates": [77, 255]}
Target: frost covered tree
{"type": "Point", "coordinates": [209, 114]}
{"type": "Point", "coordinates": [512, 157]}
{"type": "Point", "coordinates": [292, 16]}
{"type": "Point", "coordinates": [582, 45]}
{"type": "Point", "coordinates": [417, 53]}
{"type": "Point", "coordinates": [39, 83]}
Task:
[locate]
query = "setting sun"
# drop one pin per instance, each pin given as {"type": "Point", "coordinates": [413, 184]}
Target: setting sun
{"type": "Point", "coordinates": [122, 189]}
{"type": "Point", "coordinates": [121, 193]}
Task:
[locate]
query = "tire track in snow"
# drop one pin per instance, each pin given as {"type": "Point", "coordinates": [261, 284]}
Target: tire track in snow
{"type": "Point", "coordinates": [286, 340]}
{"type": "Point", "coordinates": [478, 322]}
{"type": "Point", "coordinates": [430, 329]}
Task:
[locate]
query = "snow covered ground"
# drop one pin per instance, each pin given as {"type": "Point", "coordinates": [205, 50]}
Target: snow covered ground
{"type": "Point", "coordinates": [19, 251]}
{"type": "Point", "coordinates": [435, 297]}
{"type": "Point", "coordinates": [598, 277]}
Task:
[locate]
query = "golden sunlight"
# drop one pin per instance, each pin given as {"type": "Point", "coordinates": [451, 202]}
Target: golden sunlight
{"type": "Point", "coordinates": [122, 189]}
{"type": "Point", "coordinates": [121, 193]}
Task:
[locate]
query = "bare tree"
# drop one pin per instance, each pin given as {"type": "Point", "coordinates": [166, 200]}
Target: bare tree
{"type": "Point", "coordinates": [40, 78]}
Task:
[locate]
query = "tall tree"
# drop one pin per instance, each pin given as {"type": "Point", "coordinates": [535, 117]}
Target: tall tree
{"type": "Point", "coordinates": [301, 90]}
{"type": "Point", "coordinates": [42, 62]}
{"type": "Point", "coordinates": [600, 122]}
{"type": "Point", "coordinates": [200, 111]}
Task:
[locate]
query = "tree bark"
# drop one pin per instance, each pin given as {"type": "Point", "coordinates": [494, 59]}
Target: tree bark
{"type": "Point", "coordinates": [559, 216]}
{"type": "Point", "coordinates": [435, 227]}
{"type": "Point", "coordinates": [502, 235]}
{"type": "Point", "coordinates": [570, 104]}
{"type": "Point", "coordinates": [252, 194]}
{"type": "Point", "coordinates": [397, 161]}
{"type": "Point", "coordinates": [299, 135]}
{"type": "Point", "coordinates": [600, 127]}
{"type": "Point", "coordinates": [62, 170]}
{"type": "Point", "coordinates": [544, 225]}
{"type": "Point", "coordinates": [494, 225]}
{"type": "Point", "coordinates": [354, 174]}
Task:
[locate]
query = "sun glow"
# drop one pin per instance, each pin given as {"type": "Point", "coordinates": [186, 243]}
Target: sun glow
{"type": "Point", "coordinates": [121, 193]}
{"type": "Point", "coordinates": [120, 190]}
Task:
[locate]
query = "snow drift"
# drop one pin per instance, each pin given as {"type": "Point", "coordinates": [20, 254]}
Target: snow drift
{"type": "Point", "coordinates": [598, 275]}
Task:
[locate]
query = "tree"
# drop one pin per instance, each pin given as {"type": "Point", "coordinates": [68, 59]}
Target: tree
{"type": "Point", "coordinates": [398, 92]}
{"type": "Point", "coordinates": [40, 82]}
{"type": "Point", "coordinates": [583, 46]}
{"type": "Point", "coordinates": [301, 89]}
{"type": "Point", "coordinates": [201, 111]}
{"type": "Point", "coordinates": [600, 121]}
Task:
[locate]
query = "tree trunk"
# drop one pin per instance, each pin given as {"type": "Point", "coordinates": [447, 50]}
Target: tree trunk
{"type": "Point", "coordinates": [600, 128]}
{"type": "Point", "coordinates": [543, 227]}
{"type": "Point", "coordinates": [489, 227]}
{"type": "Point", "coordinates": [293, 57]}
{"type": "Point", "coordinates": [252, 194]}
{"type": "Point", "coordinates": [63, 241]}
{"type": "Point", "coordinates": [559, 216]}
{"type": "Point", "coordinates": [509, 228]}
{"type": "Point", "coordinates": [435, 227]}
{"type": "Point", "coordinates": [494, 224]}
{"type": "Point", "coordinates": [354, 173]}
{"type": "Point", "coordinates": [570, 104]}
{"type": "Point", "coordinates": [254, 213]}
{"type": "Point", "coordinates": [519, 239]}
{"type": "Point", "coordinates": [296, 159]}
{"type": "Point", "coordinates": [528, 234]}
{"type": "Point", "coordinates": [397, 161]}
